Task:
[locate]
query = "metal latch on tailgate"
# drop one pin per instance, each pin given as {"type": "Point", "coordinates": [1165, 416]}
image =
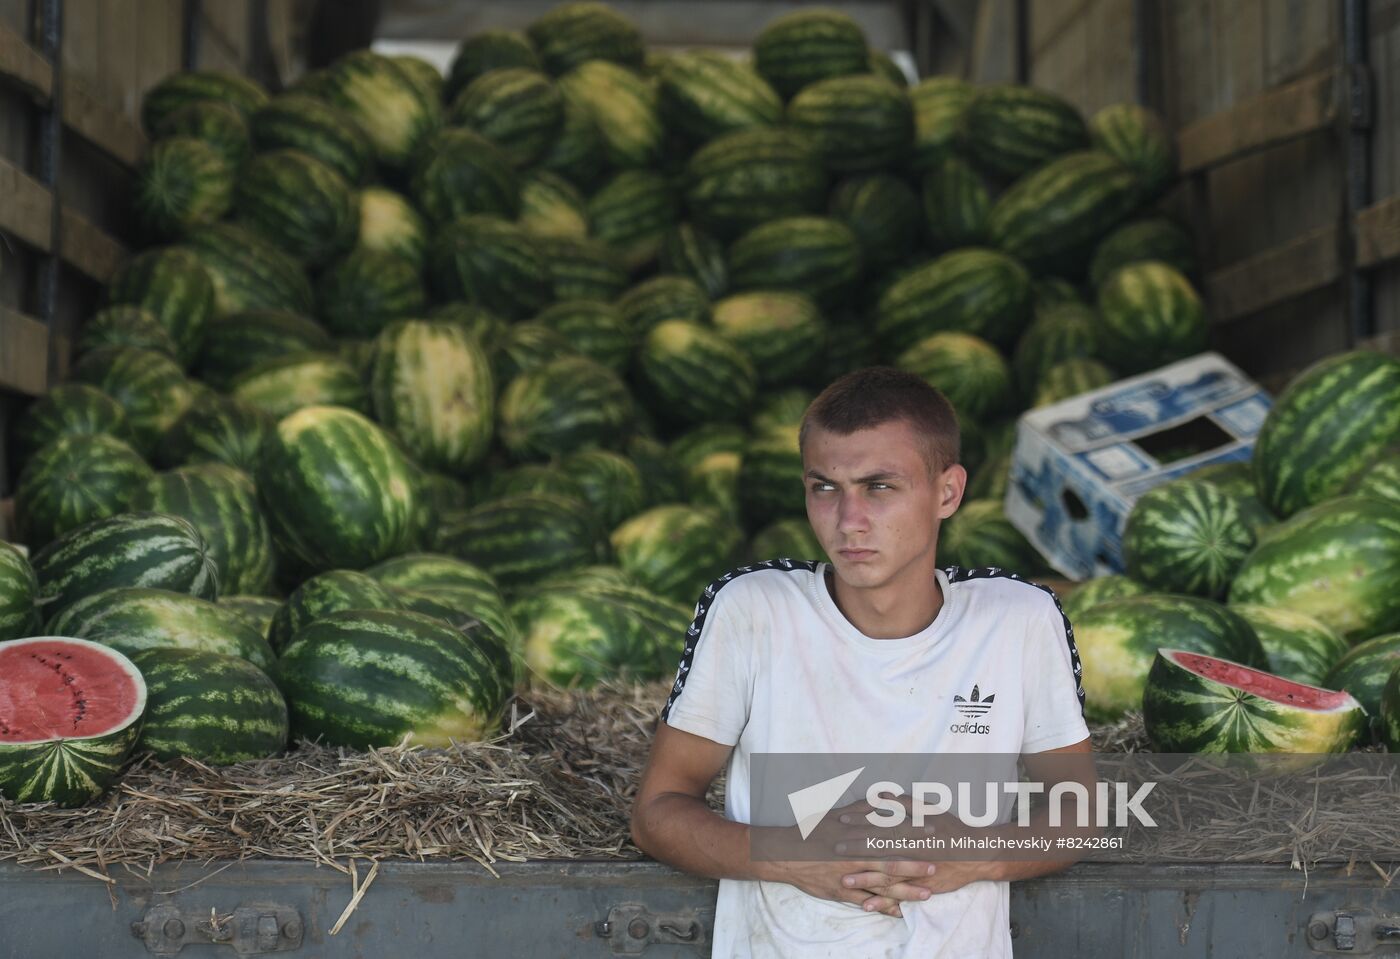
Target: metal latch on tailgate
{"type": "Point", "coordinates": [252, 930]}
{"type": "Point", "coordinates": [1354, 932]}
{"type": "Point", "coordinates": [631, 928]}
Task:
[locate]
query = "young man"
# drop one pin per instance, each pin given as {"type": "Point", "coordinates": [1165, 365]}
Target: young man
{"type": "Point", "coordinates": [865, 654]}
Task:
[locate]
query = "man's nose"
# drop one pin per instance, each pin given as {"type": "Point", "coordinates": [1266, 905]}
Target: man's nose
{"type": "Point", "coordinates": [852, 515]}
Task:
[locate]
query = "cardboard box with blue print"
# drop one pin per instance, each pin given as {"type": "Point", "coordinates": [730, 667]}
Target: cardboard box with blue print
{"type": "Point", "coordinates": [1080, 465]}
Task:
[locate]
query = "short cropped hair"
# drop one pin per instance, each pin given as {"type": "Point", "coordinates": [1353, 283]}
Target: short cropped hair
{"type": "Point", "coordinates": [878, 395]}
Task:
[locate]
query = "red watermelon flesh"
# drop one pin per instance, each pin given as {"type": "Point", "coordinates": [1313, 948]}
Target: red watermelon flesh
{"type": "Point", "coordinates": [1264, 685]}
{"type": "Point", "coordinates": [65, 689]}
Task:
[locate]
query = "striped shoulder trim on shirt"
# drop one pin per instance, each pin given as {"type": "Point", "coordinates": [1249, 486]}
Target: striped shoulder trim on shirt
{"type": "Point", "coordinates": [957, 574]}
{"type": "Point", "coordinates": [707, 599]}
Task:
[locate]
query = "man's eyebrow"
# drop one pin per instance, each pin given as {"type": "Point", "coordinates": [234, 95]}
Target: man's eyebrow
{"type": "Point", "coordinates": [878, 477]}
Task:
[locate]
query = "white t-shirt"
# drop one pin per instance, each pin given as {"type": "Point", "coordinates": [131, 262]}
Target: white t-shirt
{"type": "Point", "coordinates": [772, 666]}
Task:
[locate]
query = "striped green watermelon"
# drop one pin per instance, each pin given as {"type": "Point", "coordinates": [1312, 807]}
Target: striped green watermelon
{"type": "Point", "coordinates": [1381, 479]}
{"type": "Point", "coordinates": [1390, 713]}
{"type": "Point", "coordinates": [361, 293]}
{"type": "Point", "coordinates": [1325, 428]}
{"type": "Point", "coordinates": [790, 538]}
{"type": "Point", "coordinates": [523, 538]}
{"type": "Point", "coordinates": [580, 268]}
{"type": "Point", "coordinates": [329, 592]}
{"type": "Point", "coordinates": [217, 429]}
{"type": "Point", "coordinates": [691, 447]}
{"type": "Point", "coordinates": [336, 490]}
{"type": "Point", "coordinates": [696, 374]}
{"type": "Point", "coordinates": [527, 346]}
{"type": "Point", "coordinates": [375, 678]}
{"type": "Point", "coordinates": [705, 95]}
{"type": "Point", "coordinates": [1065, 331]}
{"type": "Point", "coordinates": [1051, 219]}
{"type": "Point", "coordinates": [298, 122]}
{"type": "Point", "coordinates": [380, 96]}
{"type": "Point", "coordinates": [283, 385]}
{"type": "Point", "coordinates": [486, 51]}
{"type": "Point", "coordinates": [256, 611]}
{"type": "Point", "coordinates": [806, 46]}
{"type": "Point", "coordinates": [966, 369]}
{"type": "Point", "coordinates": [780, 331]}
{"type": "Point", "coordinates": [150, 387]}
{"type": "Point", "coordinates": [1068, 378]}
{"type": "Point", "coordinates": [217, 124]}
{"type": "Point", "coordinates": [431, 384]}
{"type": "Point", "coordinates": [713, 481]}
{"type": "Point", "coordinates": [1099, 590]}
{"type": "Point", "coordinates": [134, 618]}
{"type": "Point", "coordinates": [595, 329]}
{"type": "Point", "coordinates": [487, 260]}
{"type": "Point", "coordinates": [73, 715]}
{"type": "Point", "coordinates": [1012, 130]}
{"type": "Point", "coordinates": [390, 224]}
{"type": "Point", "coordinates": [578, 636]}
{"type": "Point", "coordinates": [75, 480]}
{"type": "Point", "coordinates": [577, 32]}
{"type": "Point", "coordinates": [1195, 703]}
{"type": "Point", "coordinates": [1190, 537]}
{"type": "Point", "coordinates": [69, 409]}
{"type": "Point", "coordinates": [744, 179]}
{"type": "Point", "coordinates": [578, 153]}
{"type": "Point", "coordinates": [956, 205]}
{"type": "Point", "coordinates": [238, 342]}
{"type": "Point", "coordinates": [476, 321]}
{"type": "Point", "coordinates": [183, 183]}
{"type": "Point", "coordinates": [523, 478]}
{"type": "Point", "coordinates": [609, 482]}
{"type": "Point", "coordinates": [782, 409]}
{"type": "Point", "coordinates": [179, 89]}
{"type": "Point", "coordinates": [1150, 316]}
{"type": "Point", "coordinates": [1235, 477]}
{"type": "Point", "coordinates": [815, 255]}
{"type": "Point", "coordinates": [979, 535]}
{"type": "Point", "coordinates": [215, 708]}
{"type": "Point", "coordinates": [172, 284]}
{"type": "Point", "coordinates": [449, 580]}
{"type": "Point", "coordinates": [975, 291]}
{"type": "Point", "coordinates": [883, 65]}
{"type": "Point", "coordinates": [691, 253]}
{"type": "Point", "coordinates": [519, 110]}
{"type": "Point", "coordinates": [1118, 641]}
{"type": "Point", "coordinates": [1048, 292]}
{"type": "Point", "coordinates": [990, 479]}
{"type": "Point", "coordinates": [1153, 238]}
{"type": "Point", "coordinates": [940, 104]}
{"type": "Point", "coordinates": [248, 272]}
{"type": "Point", "coordinates": [858, 124]}
{"type": "Point", "coordinates": [1363, 671]}
{"type": "Point", "coordinates": [1338, 561]}
{"type": "Point", "coordinates": [624, 108]}
{"type": "Point", "coordinates": [563, 406]}
{"type": "Point", "coordinates": [126, 326]}
{"type": "Point", "coordinates": [661, 477]}
{"type": "Point", "coordinates": [143, 549]}
{"type": "Point", "coordinates": [300, 204]}
{"type": "Point", "coordinates": [882, 211]}
{"type": "Point", "coordinates": [552, 206]}
{"type": "Point", "coordinates": [424, 75]}
{"type": "Point", "coordinates": [632, 213]}
{"type": "Point", "coordinates": [1140, 140]}
{"type": "Point", "coordinates": [676, 550]}
{"type": "Point", "coordinates": [19, 595]}
{"type": "Point", "coordinates": [770, 478]}
{"type": "Point", "coordinates": [222, 504]}
{"type": "Point", "coordinates": [1298, 647]}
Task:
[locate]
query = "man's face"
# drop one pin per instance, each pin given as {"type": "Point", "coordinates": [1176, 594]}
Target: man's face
{"type": "Point", "coordinates": [872, 503]}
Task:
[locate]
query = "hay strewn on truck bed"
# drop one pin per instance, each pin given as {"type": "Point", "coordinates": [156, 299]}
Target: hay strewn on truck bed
{"type": "Point", "coordinates": [558, 785]}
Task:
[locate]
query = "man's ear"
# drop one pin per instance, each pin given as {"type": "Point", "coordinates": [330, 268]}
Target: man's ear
{"type": "Point", "coordinates": [951, 483]}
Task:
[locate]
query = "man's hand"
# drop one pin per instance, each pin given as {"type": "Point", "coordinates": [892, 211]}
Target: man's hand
{"type": "Point", "coordinates": [824, 880]}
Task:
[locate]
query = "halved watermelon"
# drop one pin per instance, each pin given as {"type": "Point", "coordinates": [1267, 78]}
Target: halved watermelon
{"type": "Point", "coordinates": [70, 713]}
{"type": "Point", "coordinates": [1201, 704]}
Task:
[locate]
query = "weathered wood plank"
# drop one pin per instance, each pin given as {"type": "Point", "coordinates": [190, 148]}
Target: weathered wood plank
{"type": "Point", "coordinates": [1378, 233]}
{"type": "Point", "coordinates": [1271, 118]}
{"type": "Point", "coordinates": [24, 353]}
{"type": "Point", "coordinates": [22, 66]}
{"type": "Point", "coordinates": [111, 132]}
{"type": "Point", "coordinates": [1308, 263]}
{"type": "Point", "coordinates": [26, 208]}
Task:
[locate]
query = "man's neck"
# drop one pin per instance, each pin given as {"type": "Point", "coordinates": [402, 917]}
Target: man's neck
{"type": "Point", "coordinates": [893, 611]}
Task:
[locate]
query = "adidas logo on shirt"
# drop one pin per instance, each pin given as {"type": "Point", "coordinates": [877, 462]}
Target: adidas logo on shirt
{"type": "Point", "coordinates": [974, 707]}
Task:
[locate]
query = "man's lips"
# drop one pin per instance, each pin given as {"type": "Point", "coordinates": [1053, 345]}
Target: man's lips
{"type": "Point", "coordinates": [853, 553]}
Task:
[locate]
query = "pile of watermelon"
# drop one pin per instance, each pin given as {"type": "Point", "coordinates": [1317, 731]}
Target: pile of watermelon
{"type": "Point", "coordinates": [424, 387]}
{"type": "Point", "coordinates": [1260, 610]}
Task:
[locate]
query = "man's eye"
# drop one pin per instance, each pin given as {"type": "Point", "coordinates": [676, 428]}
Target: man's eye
{"type": "Point", "coordinates": [880, 486]}
{"type": "Point", "coordinates": [821, 487]}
